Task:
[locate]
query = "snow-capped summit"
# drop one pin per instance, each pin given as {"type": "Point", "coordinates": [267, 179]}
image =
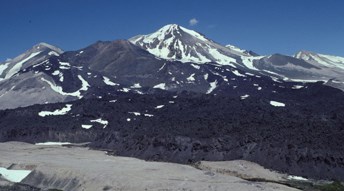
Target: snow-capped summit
{"type": "Point", "coordinates": [175, 42]}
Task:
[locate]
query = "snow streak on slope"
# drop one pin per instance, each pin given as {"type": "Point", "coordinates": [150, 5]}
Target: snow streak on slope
{"type": "Point", "coordinates": [107, 81]}
{"type": "Point", "coordinates": [58, 89]}
{"type": "Point", "coordinates": [101, 121]}
{"type": "Point", "coordinates": [277, 104]}
{"type": "Point", "coordinates": [62, 111]}
{"type": "Point", "coordinates": [18, 65]}
{"type": "Point", "coordinates": [213, 85]}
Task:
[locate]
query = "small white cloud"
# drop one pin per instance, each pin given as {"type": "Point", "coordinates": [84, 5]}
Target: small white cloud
{"type": "Point", "coordinates": [193, 22]}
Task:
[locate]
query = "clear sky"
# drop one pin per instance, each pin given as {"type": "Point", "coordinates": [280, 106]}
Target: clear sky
{"type": "Point", "coordinates": [264, 26]}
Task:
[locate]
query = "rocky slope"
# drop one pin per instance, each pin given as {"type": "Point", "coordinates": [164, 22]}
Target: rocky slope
{"type": "Point", "coordinates": [190, 127]}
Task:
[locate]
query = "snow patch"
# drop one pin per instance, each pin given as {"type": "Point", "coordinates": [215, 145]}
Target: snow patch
{"type": "Point", "coordinates": [295, 87]}
{"type": "Point", "coordinates": [159, 106]}
{"type": "Point", "coordinates": [244, 96]}
{"type": "Point", "coordinates": [58, 89]}
{"type": "Point", "coordinates": [191, 78]}
{"type": "Point", "coordinates": [62, 111]}
{"type": "Point", "coordinates": [86, 126]}
{"type": "Point", "coordinates": [56, 72]}
{"type": "Point", "coordinates": [277, 104]}
{"type": "Point", "coordinates": [236, 72]}
{"type": "Point", "coordinates": [18, 65]}
{"type": "Point", "coordinates": [206, 76]}
{"type": "Point", "coordinates": [14, 175]}
{"type": "Point", "coordinates": [137, 85]}
{"type": "Point", "coordinates": [107, 81]}
{"type": "Point", "coordinates": [291, 177]}
{"type": "Point", "coordinates": [213, 85]}
{"type": "Point", "coordinates": [101, 121]}
{"type": "Point", "coordinates": [196, 66]}
{"type": "Point", "coordinates": [124, 90]}
{"type": "Point", "coordinates": [160, 86]}
{"type": "Point", "coordinates": [135, 113]}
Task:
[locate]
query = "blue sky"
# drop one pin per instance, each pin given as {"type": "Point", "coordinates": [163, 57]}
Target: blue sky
{"type": "Point", "coordinates": [264, 26]}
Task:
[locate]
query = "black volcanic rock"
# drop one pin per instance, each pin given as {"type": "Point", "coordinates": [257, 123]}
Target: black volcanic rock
{"type": "Point", "coordinates": [303, 138]}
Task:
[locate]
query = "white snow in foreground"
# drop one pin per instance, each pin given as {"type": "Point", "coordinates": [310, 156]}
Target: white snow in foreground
{"type": "Point", "coordinates": [58, 89]}
{"type": "Point", "coordinates": [128, 119]}
{"type": "Point", "coordinates": [191, 78]}
{"type": "Point", "coordinates": [135, 113]}
{"type": "Point", "coordinates": [291, 177]}
{"type": "Point", "coordinates": [65, 64]}
{"type": "Point", "coordinates": [14, 175]}
{"type": "Point", "coordinates": [107, 81]}
{"type": "Point", "coordinates": [148, 115]}
{"type": "Point", "coordinates": [277, 104]}
{"type": "Point", "coordinates": [159, 106]}
{"type": "Point", "coordinates": [53, 143]}
{"type": "Point", "coordinates": [124, 90]}
{"type": "Point", "coordinates": [136, 85]}
{"type": "Point", "coordinates": [86, 126]}
{"type": "Point", "coordinates": [237, 73]}
{"type": "Point", "coordinates": [62, 111]}
{"type": "Point", "coordinates": [213, 85]}
{"type": "Point", "coordinates": [244, 96]}
{"type": "Point", "coordinates": [113, 101]}
{"type": "Point", "coordinates": [56, 72]}
{"type": "Point", "coordinates": [196, 66]}
{"type": "Point", "coordinates": [305, 81]}
{"type": "Point", "coordinates": [296, 87]}
{"type": "Point", "coordinates": [206, 76]}
{"type": "Point", "coordinates": [160, 86]}
{"type": "Point", "coordinates": [18, 65]}
{"type": "Point", "coordinates": [101, 121]}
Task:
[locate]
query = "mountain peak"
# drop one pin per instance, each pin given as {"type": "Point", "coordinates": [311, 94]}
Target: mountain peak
{"type": "Point", "coordinates": [174, 42]}
{"type": "Point", "coordinates": [43, 45]}
{"type": "Point", "coordinates": [172, 26]}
